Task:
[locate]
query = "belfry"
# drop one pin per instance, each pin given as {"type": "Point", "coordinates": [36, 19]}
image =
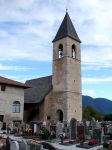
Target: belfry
{"type": "Point", "coordinates": [58, 97]}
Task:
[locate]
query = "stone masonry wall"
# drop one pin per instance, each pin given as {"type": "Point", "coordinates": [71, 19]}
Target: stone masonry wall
{"type": "Point", "coordinates": [7, 98]}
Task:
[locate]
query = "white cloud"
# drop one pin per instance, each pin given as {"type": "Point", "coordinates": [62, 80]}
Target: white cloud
{"type": "Point", "coordinates": [91, 80]}
{"type": "Point", "coordinates": [37, 27]}
{"type": "Point", "coordinates": [96, 57]}
{"type": "Point", "coordinates": [89, 92]}
{"type": "Point", "coordinates": [14, 68]}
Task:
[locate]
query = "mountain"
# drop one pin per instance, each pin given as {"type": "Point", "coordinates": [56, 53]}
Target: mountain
{"type": "Point", "coordinates": [101, 105]}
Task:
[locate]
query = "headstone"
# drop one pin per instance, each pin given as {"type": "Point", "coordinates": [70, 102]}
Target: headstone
{"type": "Point", "coordinates": [36, 147]}
{"type": "Point", "coordinates": [93, 123]}
{"type": "Point", "coordinates": [73, 129]}
{"type": "Point", "coordinates": [53, 131]}
{"type": "Point", "coordinates": [80, 132]}
{"type": "Point", "coordinates": [14, 145]}
{"type": "Point", "coordinates": [59, 129]}
{"type": "Point", "coordinates": [66, 130]}
{"type": "Point", "coordinates": [97, 134]}
{"type": "Point", "coordinates": [23, 145]}
{"type": "Point", "coordinates": [7, 143]}
{"type": "Point", "coordinates": [110, 129]}
{"type": "Point", "coordinates": [35, 128]}
{"type": "Point", "coordinates": [4, 126]}
{"type": "Point", "coordinates": [86, 129]}
{"type": "Point", "coordinates": [1, 124]}
{"type": "Point", "coordinates": [110, 146]}
{"type": "Point", "coordinates": [105, 129]}
{"type": "Point", "coordinates": [98, 124]}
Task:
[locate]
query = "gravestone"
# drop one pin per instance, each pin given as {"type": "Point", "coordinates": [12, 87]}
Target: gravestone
{"type": "Point", "coordinates": [86, 128]}
{"type": "Point", "coordinates": [36, 147]}
{"type": "Point", "coordinates": [1, 124]}
{"type": "Point", "coordinates": [105, 129]}
{"type": "Point", "coordinates": [7, 143]}
{"type": "Point", "coordinates": [98, 134]}
{"type": "Point", "coordinates": [14, 145]}
{"type": "Point", "coordinates": [53, 131]}
{"type": "Point", "coordinates": [80, 132]}
{"type": "Point", "coordinates": [98, 124]}
{"type": "Point", "coordinates": [23, 145]}
{"type": "Point", "coordinates": [66, 130]}
{"type": "Point", "coordinates": [93, 123]}
{"type": "Point", "coordinates": [59, 129]}
{"type": "Point", "coordinates": [73, 129]}
{"type": "Point", "coordinates": [35, 128]}
{"type": "Point", "coordinates": [109, 129]}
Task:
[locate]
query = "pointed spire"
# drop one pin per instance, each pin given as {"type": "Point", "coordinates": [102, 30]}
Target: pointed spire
{"type": "Point", "coordinates": [66, 29]}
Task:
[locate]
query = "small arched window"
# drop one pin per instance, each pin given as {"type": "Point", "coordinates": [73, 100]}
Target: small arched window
{"type": "Point", "coordinates": [60, 51]}
{"type": "Point", "coordinates": [16, 107]}
{"type": "Point", "coordinates": [73, 51]}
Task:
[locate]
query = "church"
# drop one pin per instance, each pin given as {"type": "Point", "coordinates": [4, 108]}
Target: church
{"type": "Point", "coordinates": [58, 97]}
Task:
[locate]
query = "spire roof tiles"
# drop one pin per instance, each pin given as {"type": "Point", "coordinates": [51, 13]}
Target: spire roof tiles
{"type": "Point", "coordinates": [66, 29]}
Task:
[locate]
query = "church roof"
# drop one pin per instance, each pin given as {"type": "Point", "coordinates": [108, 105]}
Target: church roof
{"type": "Point", "coordinates": [7, 81]}
{"type": "Point", "coordinates": [40, 87]}
{"type": "Point", "coordinates": [66, 29]}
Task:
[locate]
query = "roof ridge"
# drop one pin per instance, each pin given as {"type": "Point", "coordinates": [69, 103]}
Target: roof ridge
{"type": "Point", "coordinates": [39, 78]}
{"type": "Point", "coordinates": [7, 81]}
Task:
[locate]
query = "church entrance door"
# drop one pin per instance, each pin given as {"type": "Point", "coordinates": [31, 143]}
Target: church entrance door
{"type": "Point", "coordinates": [60, 115]}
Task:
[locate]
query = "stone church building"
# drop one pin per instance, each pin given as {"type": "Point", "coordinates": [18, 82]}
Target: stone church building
{"type": "Point", "coordinates": [58, 97]}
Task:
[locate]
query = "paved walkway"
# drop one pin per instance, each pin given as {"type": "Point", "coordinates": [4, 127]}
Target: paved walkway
{"type": "Point", "coordinates": [73, 147]}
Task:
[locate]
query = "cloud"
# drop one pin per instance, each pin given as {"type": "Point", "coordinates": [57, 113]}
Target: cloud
{"type": "Point", "coordinates": [91, 80]}
{"type": "Point", "coordinates": [96, 57]}
{"type": "Point", "coordinates": [14, 68]}
{"type": "Point", "coordinates": [89, 92]}
{"type": "Point", "coordinates": [27, 31]}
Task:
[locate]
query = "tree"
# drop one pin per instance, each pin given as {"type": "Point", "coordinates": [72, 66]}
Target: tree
{"type": "Point", "coordinates": [89, 112]}
{"type": "Point", "coordinates": [108, 117]}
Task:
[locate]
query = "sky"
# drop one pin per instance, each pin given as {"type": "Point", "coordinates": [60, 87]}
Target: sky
{"type": "Point", "coordinates": [27, 28]}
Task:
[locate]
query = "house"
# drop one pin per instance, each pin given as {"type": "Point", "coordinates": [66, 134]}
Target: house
{"type": "Point", "coordinates": [11, 100]}
{"type": "Point", "coordinates": [58, 97]}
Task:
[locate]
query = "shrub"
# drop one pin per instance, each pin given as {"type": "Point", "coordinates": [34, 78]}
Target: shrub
{"type": "Point", "coordinates": [44, 133]}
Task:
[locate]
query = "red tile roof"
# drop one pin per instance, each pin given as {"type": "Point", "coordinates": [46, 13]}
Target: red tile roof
{"type": "Point", "coordinates": [7, 81]}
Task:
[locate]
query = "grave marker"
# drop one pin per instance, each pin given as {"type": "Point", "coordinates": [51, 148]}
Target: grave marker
{"type": "Point", "coordinates": [73, 129]}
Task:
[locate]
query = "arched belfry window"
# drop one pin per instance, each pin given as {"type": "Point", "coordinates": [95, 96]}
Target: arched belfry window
{"type": "Point", "coordinates": [16, 107]}
{"type": "Point", "coordinates": [60, 51]}
{"type": "Point", "coordinates": [73, 51]}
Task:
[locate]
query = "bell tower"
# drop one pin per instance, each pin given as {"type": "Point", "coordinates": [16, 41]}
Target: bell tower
{"type": "Point", "coordinates": [66, 79]}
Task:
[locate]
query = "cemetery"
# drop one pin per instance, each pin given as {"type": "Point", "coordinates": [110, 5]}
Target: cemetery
{"type": "Point", "coordinates": [65, 98]}
{"type": "Point", "coordinates": [38, 136]}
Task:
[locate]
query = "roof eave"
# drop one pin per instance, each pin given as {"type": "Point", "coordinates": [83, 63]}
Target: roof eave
{"type": "Point", "coordinates": [78, 40]}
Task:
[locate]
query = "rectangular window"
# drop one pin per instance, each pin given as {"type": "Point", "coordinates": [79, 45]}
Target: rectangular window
{"type": "Point", "coordinates": [3, 87]}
